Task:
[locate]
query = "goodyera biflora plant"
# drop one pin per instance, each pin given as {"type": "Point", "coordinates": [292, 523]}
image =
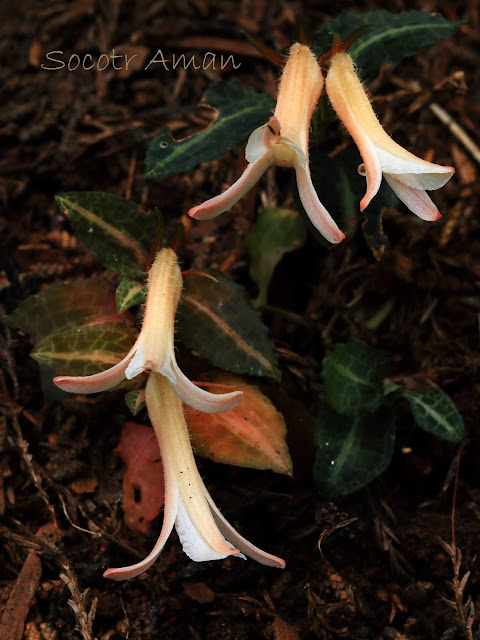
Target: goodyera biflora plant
{"type": "Point", "coordinates": [202, 529]}
{"type": "Point", "coordinates": [283, 141]}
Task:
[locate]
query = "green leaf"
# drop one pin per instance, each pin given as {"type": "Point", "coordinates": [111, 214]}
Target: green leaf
{"type": "Point", "coordinates": [389, 38]}
{"type": "Point", "coordinates": [86, 350]}
{"type": "Point", "coordinates": [112, 228]}
{"type": "Point", "coordinates": [65, 305]}
{"type": "Point", "coordinates": [240, 111]}
{"type": "Point", "coordinates": [352, 451]}
{"type": "Point", "coordinates": [129, 293]}
{"type": "Point", "coordinates": [135, 400]}
{"type": "Point", "coordinates": [276, 232]}
{"type": "Point", "coordinates": [353, 374]}
{"type": "Point", "coordinates": [434, 412]}
{"type": "Point", "coordinates": [216, 320]}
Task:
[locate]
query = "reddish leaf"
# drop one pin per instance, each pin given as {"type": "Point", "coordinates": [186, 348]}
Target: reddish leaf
{"type": "Point", "coordinates": [65, 306]}
{"type": "Point", "coordinates": [251, 435]}
{"type": "Point", "coordinates": [143, 488]}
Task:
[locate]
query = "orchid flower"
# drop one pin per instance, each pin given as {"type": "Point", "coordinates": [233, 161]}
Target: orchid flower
{"type": "Point", "coordinates": [408, 175]}
{"type": "Point", "coordinates": [202, 529]}
{"type": "Point", "coordinates": [154, 347]}
{"type": "Point", "coordinates": [283, 141]}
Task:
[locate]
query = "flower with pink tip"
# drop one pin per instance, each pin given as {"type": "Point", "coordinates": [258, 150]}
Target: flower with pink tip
{"type": "Point", "coordinates": [154, 347]}
{"type": "Point", "coordinates": [283, 141]}
{"type": "Point", "coordinates": [203, 531]}
{"type": "Point", "coordinates": [409, 176]}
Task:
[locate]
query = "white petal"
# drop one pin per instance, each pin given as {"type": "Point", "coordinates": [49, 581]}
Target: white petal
{"type": "Point", "coordinates": [262, 139]}
{"type": "Point", "coordinates": [315, 210]}
{"type": "Point", "coordinates": [166, 368]}
{"type": "Point", "coordinates": [217, 205]}
{"type": "Point", "coordinates": [415, 199]}
{"type": "Point", "coordinates": [256, 145]}
{"type": "Point", "coordinates": [199, 398]}
{"type": "Point", "coordinates": [137, 363]}
{"type": "Point", "coordinates": [239, 541]}
{"type": "Point", "coordinates": [415, 173]}
{"type": "Point", "coordinates": [192, 541]}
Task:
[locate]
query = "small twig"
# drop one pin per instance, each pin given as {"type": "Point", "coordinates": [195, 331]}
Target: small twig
{"type": "Point", "coordinates": [95, 534]}
{"type": "Point", "coordinates": [131, 175]}
{"type": "Point", "coordinates": [465, 610]}
{"type": "Point", "coordinates": [458, 131]}
{"type": "Point", "coordinates": [84, 619]}
{"type": "Point", "coordinates": [288, 315]}
{"type": "Point", "coordinates": [22, 445]}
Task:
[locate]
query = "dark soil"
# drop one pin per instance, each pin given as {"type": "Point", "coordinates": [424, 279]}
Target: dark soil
{"type": "Point", "coordinates": [387, 575]}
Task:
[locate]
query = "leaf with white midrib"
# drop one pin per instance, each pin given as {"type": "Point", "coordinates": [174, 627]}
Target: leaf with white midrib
{"type": "Point", "coordinates": [435, 412]}
{"type": "Point", "coordinates": [113, 228]}
{"type": "Point", "coordinates": [85, 350]}
{"type": "Point", "coordinates": [353, 375]}
{"type": "Point", "coordinates": [352, 451]}
{"type": "Point", "coordinates": [389, 38]}
{"type": "Point", "coordinates": [240, 111]}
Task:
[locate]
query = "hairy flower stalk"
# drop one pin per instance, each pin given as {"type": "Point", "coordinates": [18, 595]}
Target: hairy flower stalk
{"type": "Point", "coordinates": [283, 141]}
{"type": "Point", "coordinates": [154, 348]}
{"type": "Point", "coordinates": [202, 529]}
{"type": "Point", "coordinates": [409, 176]}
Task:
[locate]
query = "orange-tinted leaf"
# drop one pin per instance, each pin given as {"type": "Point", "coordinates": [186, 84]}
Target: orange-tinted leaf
{"type": "Point", "coordinates": [143, 488]}
{"type": "Point", "coordinates": [65, 306]}
{"type": "Point", "coordinates": [251, 435]}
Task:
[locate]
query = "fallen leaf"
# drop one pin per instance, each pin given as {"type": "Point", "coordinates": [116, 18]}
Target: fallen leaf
{"type": "Point", "coordinates": [251, 435]}
{"type": "Point", "coordinates": [199, 592]}
{"type": "Point", "coordinates": [143, 488]}
{"type": "Point", "coordinates": [84, 485]}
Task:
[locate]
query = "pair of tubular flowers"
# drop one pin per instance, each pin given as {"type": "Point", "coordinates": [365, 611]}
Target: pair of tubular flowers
{"type": "Point", "coordinates": [202, 529]}
{"type": "Point", "coordinates": [409, 176]}
{"type": "Point", "coordinates": [283, 141]}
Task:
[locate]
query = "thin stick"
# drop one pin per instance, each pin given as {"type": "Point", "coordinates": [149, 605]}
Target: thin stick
{"type": "Point", "coordinates": [458, 131]}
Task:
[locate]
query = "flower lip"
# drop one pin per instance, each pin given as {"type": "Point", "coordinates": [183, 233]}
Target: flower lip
{"type": "Point", "coordinates": [283, 141]}
{"type": "Point", "coordinates": [154, 347]}
{"type": "Point", "coordinates": [408, 175]}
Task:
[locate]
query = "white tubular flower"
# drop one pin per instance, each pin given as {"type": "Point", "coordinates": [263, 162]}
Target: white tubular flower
{"type": "Point", "coordinates": [408, 175]}
{"type": "Point", "coordinates": [283, 141]}
{"type": "Point", "coordinates": [154, 349]}
{"type": "Point", "coordinates": [202, 529]}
